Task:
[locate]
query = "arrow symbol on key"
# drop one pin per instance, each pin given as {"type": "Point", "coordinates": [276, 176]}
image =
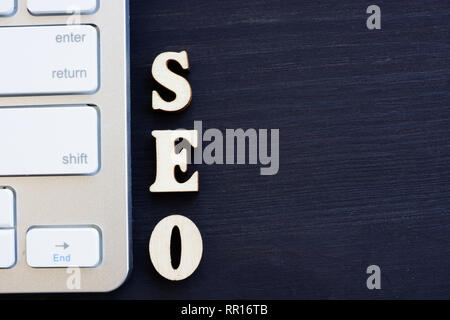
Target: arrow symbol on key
{"type": "Point", "coordinates": [65, 246]}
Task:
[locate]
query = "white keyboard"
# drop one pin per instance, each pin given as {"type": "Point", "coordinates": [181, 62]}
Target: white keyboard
{"type": "Point", "coordinates": [64, 116]}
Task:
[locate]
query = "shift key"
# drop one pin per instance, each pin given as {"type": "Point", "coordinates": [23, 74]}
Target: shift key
{"type": "Point", "coordinates": [49, 60]}
{"type": "Point", "coordinates": [54, 140]}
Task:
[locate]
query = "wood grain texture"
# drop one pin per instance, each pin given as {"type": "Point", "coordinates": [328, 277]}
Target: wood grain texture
{"type": "Point", "coordinates": [364, 119]}
{"type": "Point", "coordinates": [161, 248]}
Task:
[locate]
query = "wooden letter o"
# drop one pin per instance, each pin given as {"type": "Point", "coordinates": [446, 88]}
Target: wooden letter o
{"type": "Point", "coordinates": [191, 247]}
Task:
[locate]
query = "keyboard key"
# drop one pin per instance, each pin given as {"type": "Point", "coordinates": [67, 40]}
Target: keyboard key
{"type": "Point", "coordinates": [6, 208]}
{"type": "Point", "coordinates": [7, 248]}
{"type": "Point", "coordinates": [58, 247]}
{"type": "Point", "coordinates": [49, 60]}
{"type": "Point", "coordinates": [61, 140]}
{"type": "Point", "coordinates": [7, 7]}
{"type": "Point", "coordinates": [43, 7]}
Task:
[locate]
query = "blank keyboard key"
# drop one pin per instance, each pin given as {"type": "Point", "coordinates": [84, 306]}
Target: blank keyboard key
{"type": "Point", "coordinates": [49, 141]}
{"type": "Point", "coordinates": [7, 7]}
{"type": "Point", "coordinates": [48, 60]}
{"type": "Point", "coordinates": [7, 248]}
{"type": "Point", "coordinates": [6, 208]}
{"type": "Point", "coordinates": [51, 7]}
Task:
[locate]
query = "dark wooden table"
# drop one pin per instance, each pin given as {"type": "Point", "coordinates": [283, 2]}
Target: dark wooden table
{"type": "Point", "coordinates": [364, 119]}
